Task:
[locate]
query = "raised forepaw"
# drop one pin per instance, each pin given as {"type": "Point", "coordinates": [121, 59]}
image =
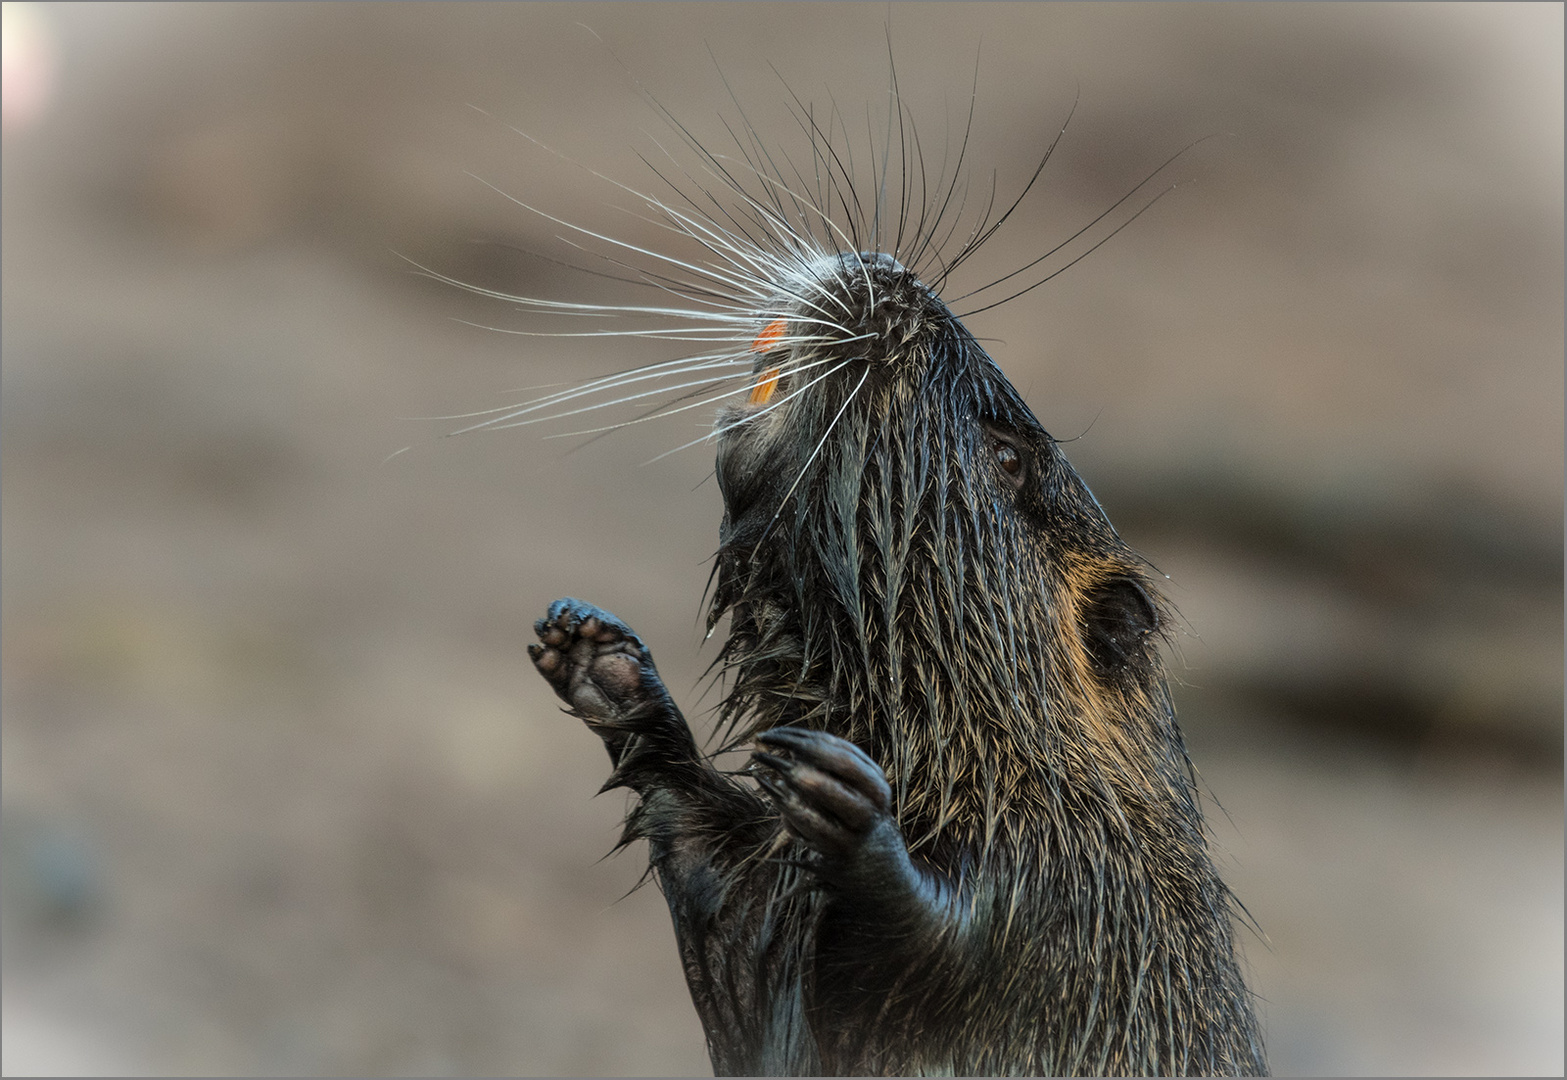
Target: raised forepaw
{"type": "Point", "coordinates": [836, 799]}
{"type": "Point", "coordinates": [594, 662]}
{"type": "Point", "coordinates": [827, 790]}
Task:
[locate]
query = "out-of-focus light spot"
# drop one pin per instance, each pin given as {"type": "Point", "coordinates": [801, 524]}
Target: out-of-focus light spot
{"type": "Point", "coordinates": [27, 65]}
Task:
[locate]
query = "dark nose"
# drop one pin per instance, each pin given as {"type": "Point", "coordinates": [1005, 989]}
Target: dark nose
{"type": "Point", "coordinates": [878, 261]}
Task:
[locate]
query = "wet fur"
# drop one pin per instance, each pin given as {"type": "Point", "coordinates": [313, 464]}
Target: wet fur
{"type": "Point", "coordinates": [909, 563]}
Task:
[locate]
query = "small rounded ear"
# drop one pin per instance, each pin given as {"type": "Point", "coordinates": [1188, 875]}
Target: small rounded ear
{"type": "Point", "coordinates": [1117, 620]}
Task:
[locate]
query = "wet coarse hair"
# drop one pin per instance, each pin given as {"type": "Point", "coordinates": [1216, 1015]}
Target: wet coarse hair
{"type": "Point", "coordinates": [969, 839]}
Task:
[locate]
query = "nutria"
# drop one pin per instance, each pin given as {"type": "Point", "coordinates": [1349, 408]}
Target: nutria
{"type": "Point", "coordinates": [969, 838]}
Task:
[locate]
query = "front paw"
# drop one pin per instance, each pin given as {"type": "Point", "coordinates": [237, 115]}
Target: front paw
{"type": "Point", "coordinates": [828, 791]}
{"type": "Point", "coordinates": [594, 661]}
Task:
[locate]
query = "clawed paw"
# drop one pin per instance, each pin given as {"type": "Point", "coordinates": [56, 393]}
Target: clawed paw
{"type": "Point", "coordinates": [828, 791]}
{"type": "Point", "coordinates": [593, 660]}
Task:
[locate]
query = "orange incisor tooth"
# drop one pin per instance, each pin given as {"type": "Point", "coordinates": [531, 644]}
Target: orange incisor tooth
{"type": "Point", "coordinates": [762, 392]}
{"type": "Point", "coordinates": [767, 341]}
{"type": "Point", "coordinates": [770, 336]}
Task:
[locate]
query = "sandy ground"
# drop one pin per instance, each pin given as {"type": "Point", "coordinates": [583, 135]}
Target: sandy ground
{"type": "Point", "coordinates": [280, 792]}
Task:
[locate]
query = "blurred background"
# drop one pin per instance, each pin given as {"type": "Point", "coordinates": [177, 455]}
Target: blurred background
{"type": "Point", "coordinates": [281, 793]}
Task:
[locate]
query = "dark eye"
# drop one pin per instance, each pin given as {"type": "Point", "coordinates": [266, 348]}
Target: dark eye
{"type": "Point", "coordinates": [1010, 460]}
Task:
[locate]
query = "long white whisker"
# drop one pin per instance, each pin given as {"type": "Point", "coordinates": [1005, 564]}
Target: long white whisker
{"type": "Point", "coordinates": [806, 254]}
{"type": "Point", "coordinates": [658, 415]}
{"type": "Point", "coordinates": [695, 290]}
{"type": "Point", "coordinates": [715, 433]}
{"type": "Point", "coordinates": [668, 368]}
{"type": "Point", "coordinates": [757, 258]}
{"type": "Point", "coordinates": [510, 420]}
{"type": "Point", "coordinates": [806, 467]}
{"type": "Point", "coordinates": [663, 369]}
{"type": "Point", "coordinates": [798, 273]}
{"type": "Point", "coordinates": [823, 214]}
{"type": "Point", "coordinates": [800, 242]}
{"type": "Point", "coordinates": [719, 242]}
{"type": "Point", "coordinates": [707, 272]}
{"type": "Point", "coordinates": [569, 307]}
{"type": "Point", "coordinates": [695, 333]}
{"type": "Point", "coordinates": [793, 370]}
{"type": "Point", "coordinates": [745, 316]}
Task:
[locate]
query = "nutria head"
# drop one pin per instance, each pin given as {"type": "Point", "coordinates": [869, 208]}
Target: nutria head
{"type": "Point", "coordinates": [910, 562]}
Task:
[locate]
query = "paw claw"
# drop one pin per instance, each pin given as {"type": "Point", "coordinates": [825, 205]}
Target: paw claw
{"type": "Point", "coordinates": [827, 790]}
{"type": "Point", "coordinates": [839, 758]}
